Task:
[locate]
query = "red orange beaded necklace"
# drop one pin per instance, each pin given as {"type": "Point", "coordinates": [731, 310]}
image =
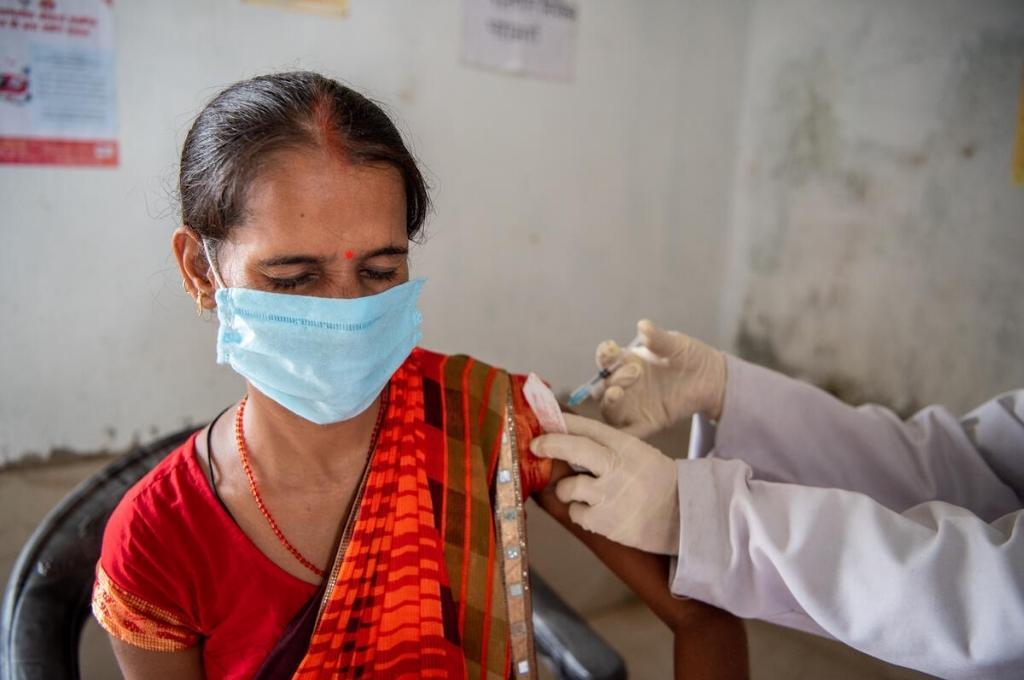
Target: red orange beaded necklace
{"type": "Point", "coordinates": [243, 454]}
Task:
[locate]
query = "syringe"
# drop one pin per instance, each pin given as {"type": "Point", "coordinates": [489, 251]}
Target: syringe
{"type": "Point", "coordinates": [590, 388]}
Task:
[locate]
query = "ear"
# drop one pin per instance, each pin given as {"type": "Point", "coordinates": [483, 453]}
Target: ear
{"type": "Point", "coordinates": [195, 270]}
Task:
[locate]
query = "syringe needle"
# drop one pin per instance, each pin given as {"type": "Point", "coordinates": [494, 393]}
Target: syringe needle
{"type": "Point", "coordinates": [589, 388]}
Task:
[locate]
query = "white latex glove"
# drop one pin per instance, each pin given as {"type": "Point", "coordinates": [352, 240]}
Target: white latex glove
{"type": "Point", "coordinates": [675, 377]}
{"type": "Point", "coordinates": [632, 497]}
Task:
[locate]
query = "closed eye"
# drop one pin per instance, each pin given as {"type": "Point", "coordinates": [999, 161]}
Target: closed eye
{"type": "Point", "coordinates": [379, 274]}
{"type": "Point", "coordinates": [292, 282]}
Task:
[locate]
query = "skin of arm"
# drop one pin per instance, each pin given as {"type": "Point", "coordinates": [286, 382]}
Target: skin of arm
{"type": "Point", "coordinates": [142, 664]}
{"type": "Point", "coordinates": [709, 642]}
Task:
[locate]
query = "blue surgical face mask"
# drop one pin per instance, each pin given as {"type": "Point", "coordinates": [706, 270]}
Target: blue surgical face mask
{"type": "Point", "coordinates": [325, 359]}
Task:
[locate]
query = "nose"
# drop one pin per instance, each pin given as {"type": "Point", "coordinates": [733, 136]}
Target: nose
{"type": "Point", "coordinates": [350, 285]}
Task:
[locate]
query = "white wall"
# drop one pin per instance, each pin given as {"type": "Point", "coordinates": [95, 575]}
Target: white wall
{"type": "Point", "coordinates": [564, 210]}
{"type": "Point", "coordinates": [878, 243]}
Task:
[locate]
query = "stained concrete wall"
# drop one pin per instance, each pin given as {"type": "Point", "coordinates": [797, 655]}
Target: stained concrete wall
{"type": "Point", "coordinates": [862, 232]}
{"type": "Point", "coordinates": [564, 210]}
{"type": "Point", "coordinates": [877, 243]}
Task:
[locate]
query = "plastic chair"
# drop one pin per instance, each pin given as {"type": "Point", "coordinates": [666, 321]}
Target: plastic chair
{"type": "Point", "coordinates": [46, 602]}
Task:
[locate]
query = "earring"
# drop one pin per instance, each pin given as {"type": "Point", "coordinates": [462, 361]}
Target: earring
{"type": "Point", "coordinates": [199, 304]}
{"type": "Point", "coordinates": [184, 285]}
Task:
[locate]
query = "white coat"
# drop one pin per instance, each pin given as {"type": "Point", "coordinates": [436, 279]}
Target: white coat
{"type": "Point", "coordinates": [904, 540]}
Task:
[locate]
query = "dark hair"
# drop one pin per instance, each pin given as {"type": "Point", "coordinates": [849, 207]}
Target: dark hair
{"type": "Point", "coordinates": [251, 120]}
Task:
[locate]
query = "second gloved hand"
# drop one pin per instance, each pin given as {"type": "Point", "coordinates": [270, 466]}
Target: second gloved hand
{"type": "Point", "coordinates": [632, 497]}
{"type": "Point", "coordinates": [676, 377]}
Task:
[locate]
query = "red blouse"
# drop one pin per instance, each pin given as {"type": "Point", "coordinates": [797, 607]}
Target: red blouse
{"type": "Point", "coordinates": [176, 571]}
{"type": "Point", "coordinates": [171, 546]}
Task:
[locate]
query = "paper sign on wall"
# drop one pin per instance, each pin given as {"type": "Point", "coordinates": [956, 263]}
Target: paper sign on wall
{"type": "Point", "coordinates": [529, 37]}
{"type": "Point", "coordinates": [58, 103]}
{"type": "Point", "coordinates": [332, 8]}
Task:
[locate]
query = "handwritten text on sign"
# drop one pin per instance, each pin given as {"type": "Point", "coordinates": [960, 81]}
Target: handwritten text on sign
{"type": "Point", "coordinates": [529, 37]}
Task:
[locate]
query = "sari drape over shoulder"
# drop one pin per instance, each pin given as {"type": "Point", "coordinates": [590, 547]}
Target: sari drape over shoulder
{"type": "Point", "coordinates": [419, 585]}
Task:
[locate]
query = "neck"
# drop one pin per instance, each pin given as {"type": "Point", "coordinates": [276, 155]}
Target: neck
{"type": "Point", "coordinates": [290, 448]}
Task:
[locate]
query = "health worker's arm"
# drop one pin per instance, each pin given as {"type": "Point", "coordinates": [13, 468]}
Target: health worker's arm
{"type": "Point", "coordinates": [790, 431]}
{"type": "Point", "coordinates": [935, 588]}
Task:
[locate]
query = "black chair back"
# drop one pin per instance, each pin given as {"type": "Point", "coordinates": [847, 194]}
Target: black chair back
{"type": "Point", "coordinates": [47, 599]}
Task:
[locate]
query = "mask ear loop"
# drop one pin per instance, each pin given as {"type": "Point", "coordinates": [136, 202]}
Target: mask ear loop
{"type": "Point", "coordinates": [213, 267]}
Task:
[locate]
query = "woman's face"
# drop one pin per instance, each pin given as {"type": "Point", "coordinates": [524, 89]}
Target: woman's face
{"type": "Point", "coordinates": [318, 225]}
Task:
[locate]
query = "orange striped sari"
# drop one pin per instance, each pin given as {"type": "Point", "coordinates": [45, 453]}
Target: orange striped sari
{"type": "Point", "coordinates": [418, 588]}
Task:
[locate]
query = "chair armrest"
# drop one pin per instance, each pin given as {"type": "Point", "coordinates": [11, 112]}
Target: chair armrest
{"type": "Point", "coordinates": [573, 649]}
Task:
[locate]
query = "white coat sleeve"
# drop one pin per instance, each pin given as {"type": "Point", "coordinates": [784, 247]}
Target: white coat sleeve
{"type": "Point", "coordinates": [790, 431]}
{"type": "Point", "coordinates": [934, 588]}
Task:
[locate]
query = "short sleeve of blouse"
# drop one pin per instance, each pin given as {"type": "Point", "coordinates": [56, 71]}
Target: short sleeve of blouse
{"type": "Point", "coordinates": [535, 472]}
{"type": "Point", "coordinates": [140, 596]}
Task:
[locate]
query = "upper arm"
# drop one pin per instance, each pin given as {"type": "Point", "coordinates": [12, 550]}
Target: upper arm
{"type": "Point", "coordinates": [708, 642]}
{"type": "Point", "coordinates": [142, 664]}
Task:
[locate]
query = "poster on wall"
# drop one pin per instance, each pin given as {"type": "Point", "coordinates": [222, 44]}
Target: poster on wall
{"type": "Point", "coordinates": [58, 103]}
{"type": "Point", "coordinates": [333, 8]}
{"type": "Point", "coordinates": [525, 37]}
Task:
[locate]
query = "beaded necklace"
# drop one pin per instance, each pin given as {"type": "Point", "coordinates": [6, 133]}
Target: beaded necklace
{"type": "Point", "coordinates": [243, 454]}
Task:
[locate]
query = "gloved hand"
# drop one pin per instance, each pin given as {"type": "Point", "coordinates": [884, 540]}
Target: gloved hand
{"type": "Point", "coordinates": [632, 497]}
{"type": "Point", "coordinates": [678, 376]}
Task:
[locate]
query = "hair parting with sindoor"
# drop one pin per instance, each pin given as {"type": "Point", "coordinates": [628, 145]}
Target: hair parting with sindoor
{"type": "Point", "coordinates": [243, 126]}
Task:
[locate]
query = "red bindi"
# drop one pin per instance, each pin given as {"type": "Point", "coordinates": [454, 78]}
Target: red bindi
{"type": "Point", "coordinates": [349, 254]}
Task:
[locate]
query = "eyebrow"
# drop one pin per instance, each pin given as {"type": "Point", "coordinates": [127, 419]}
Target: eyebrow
{"type": "Point", "coordinates": [285, 260]}
{"type": "Point", "coordinates": [386, 250]}
{"type": "Point", "coordinates": [291, 260]}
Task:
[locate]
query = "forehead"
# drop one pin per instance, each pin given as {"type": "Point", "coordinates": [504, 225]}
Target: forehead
{"type": "Point", "coordinates": [317, 200]}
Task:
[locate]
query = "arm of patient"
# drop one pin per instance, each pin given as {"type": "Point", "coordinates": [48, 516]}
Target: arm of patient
{"type": "Point", "coordinates": [709, 642]}
{"type": "Point", "coordinates": [140, 664]}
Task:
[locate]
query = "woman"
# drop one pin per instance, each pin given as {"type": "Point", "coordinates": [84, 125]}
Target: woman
{"type": "Point", "coordinates": [358, 512]}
